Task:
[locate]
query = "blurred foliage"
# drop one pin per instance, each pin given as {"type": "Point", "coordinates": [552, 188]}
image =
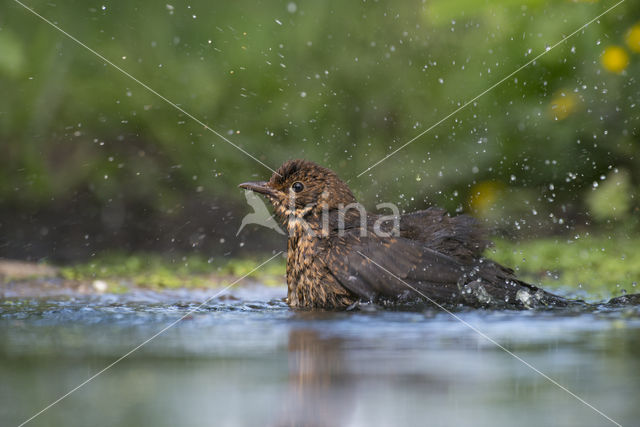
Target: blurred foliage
{"type": "Point", "coordinates": [584, 266]}
{"type": "Point", "coordinates": [164, 272]}
{"type": "Point", "coordinates": [341, 83]}
{"type": "Point", "coordinates": [633, 38]}
{"type": "Point", "coordinates": [609, 201]}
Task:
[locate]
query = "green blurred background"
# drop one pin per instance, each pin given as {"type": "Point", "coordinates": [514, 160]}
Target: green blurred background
{"type": "Point", "coordinates": [91, 161]}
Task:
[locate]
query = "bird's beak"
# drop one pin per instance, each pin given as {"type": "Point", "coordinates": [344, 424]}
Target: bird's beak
{"type": "Point", "coordinates": [261, 187]}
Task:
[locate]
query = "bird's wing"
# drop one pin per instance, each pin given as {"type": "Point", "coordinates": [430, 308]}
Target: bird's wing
{"type": "Point", "coordinates": [371, 267]}
{"type": "Point", "coordinates": [402, 270]}
{"type": "Point", "coordinates": [458, 236]}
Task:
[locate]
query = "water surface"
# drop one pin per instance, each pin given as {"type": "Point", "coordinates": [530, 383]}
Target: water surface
{"type": "Point", "coordinates": [245, 358]}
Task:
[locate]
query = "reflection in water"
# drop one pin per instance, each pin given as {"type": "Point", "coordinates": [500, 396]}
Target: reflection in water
{"type": "Point", "coordinates": [246, 362]}
{"type": "Point", "coordinates": [319, 392]}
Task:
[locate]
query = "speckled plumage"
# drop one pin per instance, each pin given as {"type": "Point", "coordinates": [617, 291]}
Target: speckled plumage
{"type": "Point", "coordinates": [438, 255]}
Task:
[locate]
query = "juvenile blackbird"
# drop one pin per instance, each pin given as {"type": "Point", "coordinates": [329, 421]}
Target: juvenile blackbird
{"type": "Point", "coordinates": [337, 257]}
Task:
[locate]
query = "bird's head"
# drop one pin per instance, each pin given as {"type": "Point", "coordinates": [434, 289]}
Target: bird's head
{"type": "Point", "coordinates": [300, 187]}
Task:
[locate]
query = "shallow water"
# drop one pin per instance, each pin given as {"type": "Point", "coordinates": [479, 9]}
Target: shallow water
{"type": "Point", "coordinates": [247, 359]}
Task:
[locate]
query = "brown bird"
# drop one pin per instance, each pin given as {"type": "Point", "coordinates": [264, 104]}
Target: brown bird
{"type": "Point", "coordinates": [339, 255]}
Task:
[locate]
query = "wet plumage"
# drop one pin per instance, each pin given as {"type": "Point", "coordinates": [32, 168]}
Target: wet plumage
{"type": "Point", "coordinates": [337, 257]}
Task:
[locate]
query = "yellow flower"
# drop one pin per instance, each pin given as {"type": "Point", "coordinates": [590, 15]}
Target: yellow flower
{"type": "Point", "coordinates": [633, 38]}
{"type": "Point", "coordinates": [615, 59]}
{"type": "Point", "coordinates": [483, 195]}
{"type": "Point", "coordinates": [562, 105]}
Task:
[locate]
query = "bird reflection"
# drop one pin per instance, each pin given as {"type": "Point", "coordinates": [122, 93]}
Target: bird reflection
{"type": "Point", "coordinates": [319, 394]}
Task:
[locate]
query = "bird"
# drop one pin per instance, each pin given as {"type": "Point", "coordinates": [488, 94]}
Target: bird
{"type": "Point", "coordinates": [340, 256]}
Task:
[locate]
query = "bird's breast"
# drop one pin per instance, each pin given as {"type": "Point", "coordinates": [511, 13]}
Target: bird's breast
{"type": "Point", "coordinates": [309, 282]}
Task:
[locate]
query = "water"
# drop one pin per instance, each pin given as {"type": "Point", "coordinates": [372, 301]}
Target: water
{"type": "Point", "coordinates": [247, 359]}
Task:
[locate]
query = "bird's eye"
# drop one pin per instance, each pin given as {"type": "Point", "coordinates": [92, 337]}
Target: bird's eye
{"type": "Point", "coordinates": [297, 187]}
